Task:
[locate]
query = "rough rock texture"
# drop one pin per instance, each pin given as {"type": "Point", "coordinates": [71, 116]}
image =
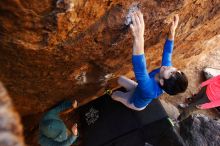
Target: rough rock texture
{"type": "Point", "coordinates": [199, 130]}
{"type": "Point", "coordinates": [53, 50]}
{"type": "Point", "coordinates": [172, 110]}
{"type": "Point", "coordinates": [10, 125]}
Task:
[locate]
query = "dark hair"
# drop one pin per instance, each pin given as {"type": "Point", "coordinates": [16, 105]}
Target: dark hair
{"type": "Point", "coordinates": [177, 83]}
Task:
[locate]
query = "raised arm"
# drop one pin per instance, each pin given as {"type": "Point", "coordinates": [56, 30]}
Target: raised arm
{"type": "Point", "coordinates": [168, 46]}
{"type": "Point", "coordinates": [138, 57]}
{"type": "Point", "coordinates": [137, 28]}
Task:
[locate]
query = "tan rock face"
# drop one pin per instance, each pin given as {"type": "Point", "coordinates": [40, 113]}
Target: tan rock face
{"type": "Point", "coordinates": [54, 50]}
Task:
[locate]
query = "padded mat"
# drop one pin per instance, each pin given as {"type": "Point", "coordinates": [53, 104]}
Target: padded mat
{"type": "Point", "coordinates": [105, 121]}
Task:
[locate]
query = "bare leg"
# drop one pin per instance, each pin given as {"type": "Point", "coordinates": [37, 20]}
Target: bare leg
{"type": "Point", "coordinates": [127, 83]}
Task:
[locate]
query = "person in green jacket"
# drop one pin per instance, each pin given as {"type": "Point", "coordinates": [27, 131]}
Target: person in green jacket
{"type": "Point", "coordinates": [53, 131]}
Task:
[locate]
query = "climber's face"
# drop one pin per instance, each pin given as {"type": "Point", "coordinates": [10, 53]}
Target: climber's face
{"type": "Point", "coordinates": [167, 71]}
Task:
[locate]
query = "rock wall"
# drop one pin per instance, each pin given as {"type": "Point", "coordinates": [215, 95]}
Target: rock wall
{"type": "Point", "coordinates": [199, 130]}
{"type": "Point", "coordinates": [54, 50]}
{"type": "Point", "coordinates": [10, 125]}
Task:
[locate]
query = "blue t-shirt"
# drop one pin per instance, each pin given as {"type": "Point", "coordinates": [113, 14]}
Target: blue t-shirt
{"type": "Point", "coordinates": [148, 88]}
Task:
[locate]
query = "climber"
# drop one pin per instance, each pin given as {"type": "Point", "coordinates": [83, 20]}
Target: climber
{"type": "Point", "coordinates": [150, 85]}
{"type": "Point", "coordinates": [207, 97]}
{"type": "Point", "coordinates": [53, 131]}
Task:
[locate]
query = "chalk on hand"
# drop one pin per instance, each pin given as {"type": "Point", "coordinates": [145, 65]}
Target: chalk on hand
{"type": "Point", "coordinates": [134, 8]}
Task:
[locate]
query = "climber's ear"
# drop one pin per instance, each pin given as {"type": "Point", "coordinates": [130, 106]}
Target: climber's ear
{"type": "Point", "coordinates": [161, 82]}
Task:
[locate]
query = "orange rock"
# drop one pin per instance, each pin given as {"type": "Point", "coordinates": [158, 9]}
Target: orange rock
{"type": "Point", "coordinates": [39, 36]}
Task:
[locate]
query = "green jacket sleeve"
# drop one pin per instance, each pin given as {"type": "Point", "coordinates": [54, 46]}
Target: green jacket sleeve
{"type": "Point", "coordinates": [44, 141]}
{"type": "Point", "coordinates": [61, 107]}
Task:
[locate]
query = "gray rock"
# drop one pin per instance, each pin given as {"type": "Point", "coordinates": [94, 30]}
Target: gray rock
{"type": "Point", "coordinates": [199, 130]}
{"type": "Point", "coordinates": [211, 72]}
{"type": "Point", "coordinates": [171, 110]}
{"type": "Point", "coordinates": [134, 8]}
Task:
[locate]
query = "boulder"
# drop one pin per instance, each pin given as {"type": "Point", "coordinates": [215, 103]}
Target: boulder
{"type": "Point", "coordinates": [54, 50]}
{"type": "Point", "coordinates": [200, 130]}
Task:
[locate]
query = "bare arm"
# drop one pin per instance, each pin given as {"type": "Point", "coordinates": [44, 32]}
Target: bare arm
{"type": "Point", "coordinates": [145, 83]}
{"type": "Point", "coordinates": [138, 33]}
{"type": "Point", "coordinates": [169, 44]}
{"type": "Point", "coordinates": [173, 27]}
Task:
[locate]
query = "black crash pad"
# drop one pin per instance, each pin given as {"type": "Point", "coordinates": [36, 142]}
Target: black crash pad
{"type": "Point", "coordinates": [109, 123]}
